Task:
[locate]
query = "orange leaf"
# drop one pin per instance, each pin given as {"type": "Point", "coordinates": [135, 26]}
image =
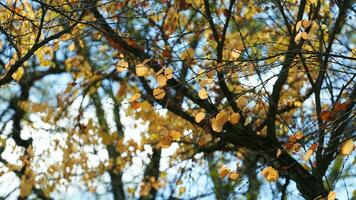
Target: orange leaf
{"type": "Point", "coordinates": [326, 116]}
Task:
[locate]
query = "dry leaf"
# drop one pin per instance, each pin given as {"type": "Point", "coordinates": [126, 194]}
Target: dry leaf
{"type": "Point", "coordinates": [199, 117]}
{"type": "Point", "coordinates": [135, 97]}
{"type": "Point", "coordinates": [235, 54]}
{"type": "Point", "coordinates": [158, 93]}
{"type": "Point", "coordinates": [203, 140]}
{"type": "Point", "coordinates": [234, 118]}
{"type": "Point", "coordinates": [298, 37]}
{"type": "Point", "coordinates": [218, 122]}
{"type": "Point", "coordinates": [305, 35]}
{"type": "Point", "coordinates": [298, 26]}
{"type": "Point", "coordinates": [224, 171]}
{"type": "Point", "coordinates": [175, 135]}
{"type": "Point", "coordinates": [234, 176]}
{"type": "Point", "coordinates": [270, 174]}
{"type": "Point", "coordinates": [162, 80]}
{"type": "Point", "coordinates": [326, 116]}
{"type": "Point", "coordinates": [168, 73]}
{"type": "Point", "coordinates": [331, 195]}
{"type": "Point", "coordinates": [297, 104]}
{"type": "Point", "coordinates": [308, 154]}
{"type": "Point", "coordinates": [122, 65]}
{"type": "Point", "coordinates": [203, 94]}
{"type": "Point", "coordinates": [306, 23]}
{"type": "Point", "coordinates": [18, 74]}
{"type": "Point", "coordinates": [141, 70]}
{"type": "Point", "coordinates": [347, 147]}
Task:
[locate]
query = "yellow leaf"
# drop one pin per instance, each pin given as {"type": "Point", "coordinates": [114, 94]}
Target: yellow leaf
{"type": "Point", "coordinates": [45, 62]}
{"type": "Point", "coordinates": [199, 117]}
{"type": "Point", "coordinates": [166, 142]}
{"type": "Point", "coordinates": [297, 104]}
{"type": "Point", "coordinates": [203, 140]}
{"type": "Point", "coordinates": [203, 94]}
{"type": "Point", "coordinates": [234, 118]}
{"type": "Point", "coordinates": [175, 135]}
{"type": "Point", "coordinates": [299, 135]}
{"type": "Point", "coordinates": [347, 147]}
{"type": "Point", "coordinates": [158, 93]}
{"type": "Point", "coordinates": [305, 35]}
{"type": "Point", "coordinates": [162, 80]}
{"type": "Point", "coordinates": [141, 69]}
{"type": "Point", "coordinates": [306, 23]}
{"type": "Point", "coordinates": [235, 54]}
{"type": "Point", "coordinates": [135, 97]}
{"type": "Point", "coordinates": [298, 26]}
{"type": "Point", "coordinates": [234, 176]}
{"type": "Point", "coordinates": [168, 73]}
{"type": "Point", "coordinates": [122, 65]}
{"type": "Point", "coordinates": [224, 171]}
{"type": "Point", "coordinates": [312, 1]}
{"type": "Point", "coordinates": [298, 37]}
{"type": "Point", "coordinates": [181, 190]}
{"type": "Point", "coordinates": [331, 195]}
{"type": "Point", "coordinates": [18, 74]}
{"type": "Point", "coordinates": [270, 174]}
{"type": "Point", "coordinates": [71, 47]}
{"type": "Point", "coordinates": [308, 154]}
{"type": "Point", "coordinates": [218, 122]}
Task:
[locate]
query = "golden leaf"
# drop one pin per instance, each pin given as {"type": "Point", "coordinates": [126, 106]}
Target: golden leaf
{"type": "Point", "coordinates": [299, 135]}
{"type": "Point", "coordinates": [331, 195]}
{"type": "Point", "coordinates": [218, 122]}
{"type": "Point", "coordinates": [203, 94]}
{"type": "Point", "coordinates": [162, 80]}
{"type": "Point", "coordinates": [347, 147]}
{"type": "Point", "coordinates": [234, 118]}
{"type": "Point", "coordinates": [307, 155]}
{"type": "Point", "coordinates": [175, 135]}
{"type": "Point", "coordinates": [181, 190]}
{"type": "Point", "coordinates": [168, 73]}
{"type": "Point", "coordinates": [199, 117]}
{"type": "Point", "coordinates": [141, 70]}
{"type": "Point", "coordinates": [298, 37]}
{"type": "Point", "coordinates": [305, 35]}
{"type": "Point", "coordinates": [298, 26]}
{"type": "Point", "coordinates": [71, 47]}
{"type": "Point", "coordinates": [234, 176]}
{"type": "Point", "coordinates": [135, 97]}
{"type": "Point", "coordinates": [235, 54]}
{"type": "Point", "coordinates": [18, 74]}
{"type": "Point", "coordinates": [224, 171]}
{"type": "Point", "coordinates": [297, 104]}
{"type": "Point", "coordinates": [270, 174]}
{"type": "Point", "coordinates": [312, 1]}
{"type": "Point", "coordinates": [203, 140]}
{"type": "Point", "coordinates": [158, 93]}
{"type": "Point", "coordinates": [122, 65]}
{"type": "Point", "coordinates": [306, 23]}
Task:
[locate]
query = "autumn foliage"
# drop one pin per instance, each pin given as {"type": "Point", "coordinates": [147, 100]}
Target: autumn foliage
{"type": "Point", "coordinates": [177, 99]}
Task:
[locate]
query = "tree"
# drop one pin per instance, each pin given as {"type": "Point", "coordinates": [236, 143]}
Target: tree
{"type": "Point", "coordinates": [268, 86]}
